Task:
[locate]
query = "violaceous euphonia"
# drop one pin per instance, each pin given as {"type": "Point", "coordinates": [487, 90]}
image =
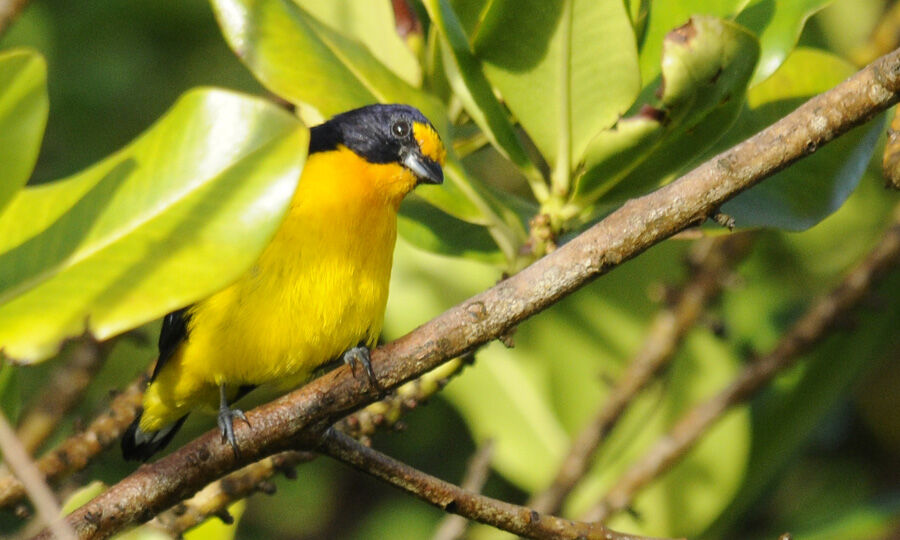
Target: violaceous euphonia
{"type": "Point", "coordinates": [318, 290]}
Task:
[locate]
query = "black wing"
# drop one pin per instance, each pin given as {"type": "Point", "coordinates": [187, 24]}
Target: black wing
{"type": "Point", "coordinates": [173, 333]}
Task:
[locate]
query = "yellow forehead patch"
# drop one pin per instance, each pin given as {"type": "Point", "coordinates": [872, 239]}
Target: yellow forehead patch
{"type": "Point", "coordinates": [429, 142]}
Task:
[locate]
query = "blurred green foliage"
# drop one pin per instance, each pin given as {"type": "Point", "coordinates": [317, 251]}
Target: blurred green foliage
{"type": "Point", "coordinates": [544, 108]}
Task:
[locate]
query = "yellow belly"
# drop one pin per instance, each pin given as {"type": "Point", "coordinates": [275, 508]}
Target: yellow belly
{"type": "Point", "coordinates": [319, 288]}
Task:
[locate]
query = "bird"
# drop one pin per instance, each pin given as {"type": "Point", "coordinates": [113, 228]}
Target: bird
{"type": "Point", "coordinates": [316, 294]}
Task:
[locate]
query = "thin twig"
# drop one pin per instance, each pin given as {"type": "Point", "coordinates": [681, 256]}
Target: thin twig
{"type": "Point", "coordinates": [65, 389]}
{"type": "Point", "coordinates": [453, 526]}
{"type": "Point", "coordinates": [450, 498]}
{"type": "Point", "coordinates": [711, 259]}
{"type": "Point", "coordinates": [803, 335]}
{"type": "Point", "coordinates": [301, 416]}
{"type": "Point", "coordinates": [18, 460]}
{"type": "Point", "coordinates": [78, 450]}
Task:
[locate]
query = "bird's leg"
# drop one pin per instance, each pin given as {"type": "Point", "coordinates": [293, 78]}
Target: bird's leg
{"type": "Point", "coordinates": [360, 355]}
{"type": "Point", "coordinates": [226, 421]}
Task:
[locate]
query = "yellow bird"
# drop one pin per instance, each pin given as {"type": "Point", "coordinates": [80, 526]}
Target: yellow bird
{"type": "Point", "coordinates": [317, 292]}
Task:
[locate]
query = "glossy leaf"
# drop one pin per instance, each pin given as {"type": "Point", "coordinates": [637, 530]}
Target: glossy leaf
{"type": "Point", "coordinates": [778, 25]}
{"type": "Point", "coordinates": [707, 65]}
{"type": "Point", "coordinates": [372, 22]}
{"type": "Point", "coordinates": [310, 64]}
{"type": "Point", "coordinates": [811, 189]}
{"type": "Point", "coordinates": [172, 217]}
{"type": "Point", "coordinates": [466, 77]}
{"type": "Point", "coordinates": [664, 16]}
{"type": "Point", "coordinates": [566, 70]}
{"type": "Point", "coordinates": [307, 62]}
{"type": "Point", "coordinates": [23, 115]}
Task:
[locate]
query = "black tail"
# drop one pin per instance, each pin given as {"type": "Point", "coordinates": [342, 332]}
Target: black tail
{"type": "Point", "coordinates": [138, 445]}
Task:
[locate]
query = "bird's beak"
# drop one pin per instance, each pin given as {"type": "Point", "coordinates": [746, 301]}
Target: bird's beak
{"type": "Point", "coordinates": [427, 170]}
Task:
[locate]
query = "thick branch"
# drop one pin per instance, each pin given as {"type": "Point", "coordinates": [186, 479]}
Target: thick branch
{"type": "Point", "coordinates": [711, 259]}
{"type": "Point", "coordinates": [450, 498]}
{"type": "Point", "coordinates": [214, 499]}
{"type": "Point", "coordinates": [806, 332]}
{"type": "Point", "coordinates": [302, 415]}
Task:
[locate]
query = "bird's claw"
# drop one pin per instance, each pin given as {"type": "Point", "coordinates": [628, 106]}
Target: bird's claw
{"type": "Point", "coordinates": [226, 426]}
{"type": "Point", "coordinates": [360, 355]}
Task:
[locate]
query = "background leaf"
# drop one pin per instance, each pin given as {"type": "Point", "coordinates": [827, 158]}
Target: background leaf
{"type": "Point", "coordinates": [778, 25]}
{"type": "Point", "coordinates": [169, 219]}
{"type": "Point", "coordinates": [23, 115]}
{"type": "Point", "coordinates": [566, 69]}
{"type": "Point", "coordinates": [372, 22]}
{"type": "Point", "coordinates": [804, 194]}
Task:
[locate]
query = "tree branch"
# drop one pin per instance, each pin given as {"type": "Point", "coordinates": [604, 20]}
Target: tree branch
{"type": "Point", "coordinates": [78, 450]}
{"type": "Point", "coordinates": [65, 388]}
{"type": "Point", "coordinates": [711, 259]}
{"type": "Point", "coordinates": [450, 498]}
{"type": "Point", "coordinates": [454, 526]}
{"type": "Point", "coordinates": [803, 335]}
{"type": "Point", "coordinates": [214, 499]}
{"type": "Point", "coordinates": [298, 419]}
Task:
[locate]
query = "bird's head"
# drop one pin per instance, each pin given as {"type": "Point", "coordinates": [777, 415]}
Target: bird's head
{"type": "Point", "coordinates": [396, 137]}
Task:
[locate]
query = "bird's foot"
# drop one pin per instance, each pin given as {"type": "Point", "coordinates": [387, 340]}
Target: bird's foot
{"type": "Point", "coordinates": [360, 355]}
{"type": "Point", "coordinates": [226, 426]}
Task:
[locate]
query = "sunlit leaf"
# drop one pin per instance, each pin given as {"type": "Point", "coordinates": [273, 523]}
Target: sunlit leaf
{"type": "Point", "coordinates": [465, 75]}
{"type": "Point", "coordinates": [372, 22]}
{"type": "Point", "coordinates": [214, 529]}
{"type": "Point", "coordinates": [305, 61]}
{"type": "Point", "coordinates": [811, 189]}
{"type": "Point", "coordinates": [567, 70]}
{"type": "Point", "coordinates": [707, 65]}
{"type": "Point", "coordinates": [778, 25]}
{"type": "Point", "coordinates": [172, 217]}
{"type": "Point", "coordinates": [663, 17]}
{"type": "Point", "coordinates": [310, 64]}
{"type": "Point", "coordinates": [23, 115]}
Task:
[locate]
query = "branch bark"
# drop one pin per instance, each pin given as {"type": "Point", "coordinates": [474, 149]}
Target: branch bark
{"type": "Point", "coordinates": [803, 335]}
{"type": "Point", "coordinates": [298, 419]}
{"type": "Point", "coordinates": [450, 498]}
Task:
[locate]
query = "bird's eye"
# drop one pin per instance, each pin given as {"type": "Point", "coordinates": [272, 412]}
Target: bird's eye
{"type": "Point", "coordinates": [400, 129]}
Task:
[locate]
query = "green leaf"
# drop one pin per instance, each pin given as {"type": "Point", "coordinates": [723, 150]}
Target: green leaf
{"type": "Point", "coordinates": [613, 153]}
{"type": "Point", "coordinates": [169, 219]}
{"type": "Point", "coordinates": [372, 22]}
{"type": "Point", "coordinates": [465, 75]}
{"type": "Point", "coordinates": [811, 189]}
{"type": "Point", "coordinates": [430, 229]}
{"type": "Point", "coordinates": [664, 16]}
{"type": "Point", "coordinates": [23, 115]}
{"type": "Point", "coordinates": [778, 25]}
{"type": "Point", "coordinates": [707, 65]}
{"type": "Point", "coordinates": [307, 62]}
{"type": "Point", "coordinates": [214, 529]}
{"type": "Point", "coordinates": [567, 70]}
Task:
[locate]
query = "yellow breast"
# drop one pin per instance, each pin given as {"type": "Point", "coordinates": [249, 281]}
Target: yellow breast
{"type": "Point", "coordinates": [319, 288]}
